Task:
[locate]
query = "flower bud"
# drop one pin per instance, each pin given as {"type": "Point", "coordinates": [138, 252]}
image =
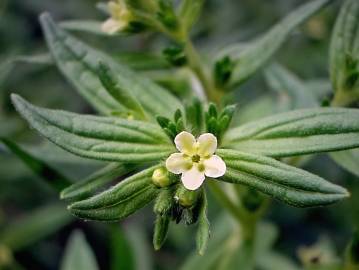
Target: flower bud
{"type": "Point", "coordinates": [120, 19]}
{"type": "Point", "coordinates": [185, 197]}
{"type": "Point", "coordinates": [161, 178]}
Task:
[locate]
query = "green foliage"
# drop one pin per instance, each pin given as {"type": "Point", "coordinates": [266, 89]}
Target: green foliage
{"type": "Point", "coordinates": [175, 55]}
{"type": "Point", "coordinates": [297, 133]}
{"type": "Point", "coordinates": [89, 26]}
{"type": "Point", "coordinates": [160, 231]}
{"type": "Point", "coordinates": [119, 201]}
{"type": "Point", "coordinates": [251, 58]}
{"type": "Point", "coordinates": [203, 232]}
{"type": "Point", "coordinates": [344, 56]}
{"type": "Point", "coordinates": [78, 63]}
{"type": "Point", "coordinates": [103, 138]}
{"type": "Point", "coordinates": [121, 95]}
{"type": "Point", "coordinates": [78, 254]}
{"type": "Point", "coordinates": [189, 12]}
{"type": "Point", "coordinates": [286, 183]}
{"type": "Point", "coordinates": [51, 176]}
{"type": "Point", "coordinates": [286, 83]}
{"type": "Point", "coordinates": [259, 155]}
{"type": "Point", "coordinates": [86, 187]}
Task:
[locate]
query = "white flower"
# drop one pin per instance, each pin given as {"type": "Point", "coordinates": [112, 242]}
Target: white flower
{"type": "Point", "coordinates": [196, 159]}
{"type": "Point", "coordinates": [120, 17]}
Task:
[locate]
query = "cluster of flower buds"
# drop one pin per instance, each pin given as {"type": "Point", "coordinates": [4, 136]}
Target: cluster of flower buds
{"type": "Point", "coordinates": [134, 16]}
{"type": "Point", "coordinates": [175, 203]}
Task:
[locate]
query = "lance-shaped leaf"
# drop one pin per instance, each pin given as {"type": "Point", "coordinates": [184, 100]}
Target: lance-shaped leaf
{"type": "Point", "coordinates": [78, 254]}
{"type": "Point", "coordinates": [121, 200]}
{"type": "Point", "coordinates": [286, 183]}
{"type": "Point", "coordinates": [286, 83]}
{"type": "Point", "coordinates": [122, 96]}
{"type": "Point", "coordinates": [344, 48]}
{"type": "Point", "coordinates": [98, 179]}
{"type": "Point", "coordinates": [298, 132]}
{"type": "Point", "coordinates": [45, 171]}
{"type": "Point", "coordinates": [78, 62]}
{"type": "Point", "coordinates": [102, 138]}
{"type": "Point", "coordinates": [203, 232]}
{"type": "Point", "coordinates": [254, 56]}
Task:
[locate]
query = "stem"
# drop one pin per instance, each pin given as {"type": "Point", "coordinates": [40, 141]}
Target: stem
{"type": "Point", "coordinates": [226, 202]}
{"type": "Point", "coordinates": [194, 62]}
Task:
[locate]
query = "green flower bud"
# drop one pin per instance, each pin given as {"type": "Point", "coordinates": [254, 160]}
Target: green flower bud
{"type": "Point", "coordinates": [185, 197]}
{"type": "Point", "coordinates": [161, 178]}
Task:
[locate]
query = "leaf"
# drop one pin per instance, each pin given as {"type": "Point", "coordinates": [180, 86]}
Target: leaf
{"type": "Point", "coordinates": [51, 176]}
{"type": "Point", "coordinates": [121, 95]}
{"type": "Point", "coordinates": [203, 232]}
{"type": "Point", "coordinates": [122, 253]}
{"type": "Point", "coordinates": [78, 63]}
{"type": "Point", "coordinates": [349, 160]}
{"type": "Point", "coordinates": [103, 138]}
{"type": "Point", "coordinates": [78, 254]}
{"type": "Point", "coordinates": [119, 201]}
{"type": "Point", "coordinates": [189, 12]}
{"type": "Point", "coordinates": [88, 26]}
{"type": "Point", "coordinates": [253, 56]}
{"type": "Point", "coordinates": [137, 236]}
{"type": "Point", "coordinates": [40, 59]}
{"type": "Point", "coordinates": [281, 181]}
{"type": "Point", "coordinates": [344, 46]}
{"type": "Point", "coordinates": [286, 83]}
{"type": "Point", "coordinates": [34, 226]}
{"type": "Point", "coordinates": [297, 132]}
{"type": "Point", "coordinates": [98, 179]}
{"type": "Point", "coordinates": [160, 231]}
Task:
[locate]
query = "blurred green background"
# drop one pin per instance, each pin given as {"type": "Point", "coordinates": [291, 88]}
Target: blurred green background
{"type": "Point", "coordinates": [35, 227]}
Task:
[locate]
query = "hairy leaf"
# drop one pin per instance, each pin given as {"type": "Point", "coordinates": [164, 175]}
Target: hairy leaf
{"type": "Point", "coordinates": [102, 138]}
{"type": "Point", "coordinates": [50, 175]}
{"type": "Point", "coordinates": [78, 62]}
{"type": "Point", "coordinates": [286, 183]}
{"type": "Point", "coordinates": [344, 48]}
{"type": "Point", "coordinates": [252, 57]}
{"type": "Point", "coordinates": [78, 254]}
{"type": "Point", "coordinates": [121, 95]}
{"type": "Point", "coordinates": [160, 231]}
{"type": "Point", "coordinates": [120, 201]}
{"type": "Point", "coordinates": [203, 232]}
{"type": "Point", "coordinates": [298, 132]}
{"type": "Point", "coordinates": [98, 179]}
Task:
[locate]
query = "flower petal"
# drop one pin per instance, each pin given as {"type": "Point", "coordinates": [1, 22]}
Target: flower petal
{"type": "Point", "coordinates": [112, 26]}
{"type": "Point", "coordinates": [185, 143]}
{"type": "Point", "coordinates": [193, 178]}
{"type": "Point", "coordinates": [177, 164]}
{"type": "Point", "coordinates": [207, 144]}
{"type": "Point", "coordinates": [214, 166]}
